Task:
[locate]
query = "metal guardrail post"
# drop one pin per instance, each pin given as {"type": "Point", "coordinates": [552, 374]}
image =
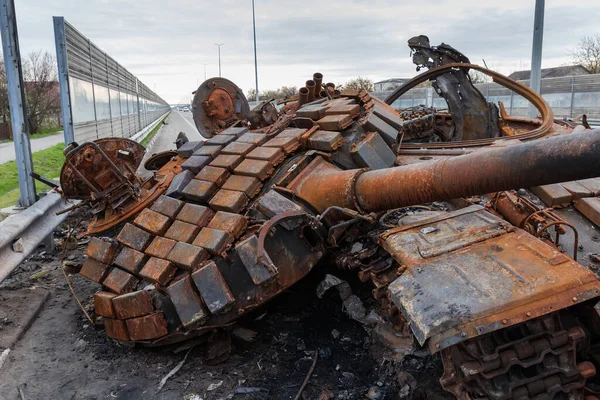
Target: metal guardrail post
{"type": "Point", "coordinates": [63, 78]}
{"type": "Point", "coordinates": [572, 96]}
{"type": "Point", "coordinates": [89, 43]}
{"type": "Point", "coordinates": [16, 101]}
{"type": "Point", "coordinates": [137, 95]}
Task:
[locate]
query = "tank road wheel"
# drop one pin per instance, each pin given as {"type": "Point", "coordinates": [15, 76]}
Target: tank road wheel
{"type": "Point", "coordinates": [533, 360]}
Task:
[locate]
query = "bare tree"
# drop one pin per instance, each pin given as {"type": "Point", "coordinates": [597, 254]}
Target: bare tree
{"type": "Point", "coordinates": [4, 110]}
{"type": "Point", "coordinates": [359, 83]}
{"type": "Point", "coordinates": [41, 91]}
{"type": "Point", "coordinates": [588, 53]}
{"type": "Point", "coordinates": [282, 92]}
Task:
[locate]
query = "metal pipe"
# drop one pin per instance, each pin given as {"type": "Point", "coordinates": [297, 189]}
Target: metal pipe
{"type": "Point", "coordinates": [558, 159]}
{"type": "Point", "coordinates": [310, 85]}
{"type": "Point", "coordinates": [303, 96]}
{"type": "Point", "coordinates": [318, 78]}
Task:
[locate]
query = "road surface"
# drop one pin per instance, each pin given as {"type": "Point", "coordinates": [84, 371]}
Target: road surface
{"type": "Point", "coordinates": [177, 121]}
{"type": "Point", "coordinates": [7, 150]}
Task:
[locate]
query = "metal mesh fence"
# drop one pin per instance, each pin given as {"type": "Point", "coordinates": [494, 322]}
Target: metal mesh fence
{"type": "Point", "coordinates": [568, 96]}
{"type": "Point", "coordinates": [99, 97]}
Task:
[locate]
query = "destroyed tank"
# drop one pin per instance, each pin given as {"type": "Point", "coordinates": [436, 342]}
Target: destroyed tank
{"type": "Point", "coordinates": [222, 226]}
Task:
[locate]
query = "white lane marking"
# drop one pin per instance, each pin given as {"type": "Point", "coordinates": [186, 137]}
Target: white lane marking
{"type": "Point", "coordinates": [188, 121]}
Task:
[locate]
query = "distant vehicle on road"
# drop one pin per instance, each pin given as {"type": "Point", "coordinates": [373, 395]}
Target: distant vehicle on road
{"type": "Point", "coordinates": [185, 109]}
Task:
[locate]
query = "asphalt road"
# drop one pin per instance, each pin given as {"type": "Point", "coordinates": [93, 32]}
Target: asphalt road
{"type": "Point", "coordinates": [7, 150]}
{"type": "Point", "coordinates": [176, 122]}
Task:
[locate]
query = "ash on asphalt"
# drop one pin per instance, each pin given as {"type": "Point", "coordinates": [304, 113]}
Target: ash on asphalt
{"type": "Point", "coordinates": [63, 356]}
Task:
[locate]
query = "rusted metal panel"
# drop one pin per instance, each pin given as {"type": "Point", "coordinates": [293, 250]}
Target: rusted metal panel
{"type": "Point", "coordinates": [102, 249]}
{"type": "Point", "coordinates": [553, 195]}
{"type": "Point", "coordinates": [152, 221]}
{"type": "Point", "coordinates": [103, 304]}
{"type": "Point", "coordinates": [213, 240]}
{"type": "Point", "coordinates": [388, 114]}
{"type": "Point", "coordinates": [249, 185]}
{"type": "Point", "coordinates": [228, 200]}
{"type": "Point", "coordinates": [325, 140]}
{"type": "Point", "coordinates": [256, 168]}
{"type": "Point", "coordinates": [187, 149]}
{"type": "Point", "coordinates": [94, 270]}
{"type": "Point", "coordinates": [160, 247]}
{"type": "Point", "coordinates": [158, 271]}
{"type": "Point", "coordinates": [590, 207]}
{"type": "Point", "coordinates": [133, 304]}
{"type": "Point", "coordinates": [372, 152]}
{"type": "Point", "coordinates": [221, 139]}
{"type": "Point", "coordinates": [179, 183]}
{"type": "Point", "coordinates": [227, 161]}
{"type": "Point", "coordinates": [195, 214]}
{"type": "Point", "coordinates": [335, 122]}
{"type": "Point", "coordinates": [259, 272]}
{"type": "Point", "coordinates": [116, 329]}
{"type": "Point", "coordinates": [200, 191]}
{"type": "Point", "coordinates": [148, 327]}
{"type": "Point", "coordinates": [234, 131]}
{"type": "Point", "coordinates": [212, 287]}
{"type": "Point", "coordinates": [344, 109]}
{"type": "Point", "coordinates": [292, 132]}
{"type": "Point", "coordinates": [195, 163]}
{"type": "Point", "coordinates": [273, 155]}
{"type": "Point", "coordinates": [187, 302]}
{"type": "Point", "coordinates": [213, 174]}
{"type": "Point", "coordinates": [388, 133]}
{"type": "Point", "coordinates": [234, 224]}
{"type": "Point", "coordinates": [120, 281]}
{"type": "Point", "coordinates": [134, 237]}
{"type": "Point", "coordinates": [469, 272]}
{"type": "Point", "coordinates": [167, 206]}
{"type": "Point", "coordinates": [314, 112]}
{"type": "Point", "coordinates": [182, 231]}
{"type": "Point", "coordinates": [287, 143]}
{"type": "Point", "coordinates": [592, 184]}
{"type": "Point", "coordinates": [130, 260]}
{"type": "Point", "coordinates": [187, 256]}
{"type": "Point", "coordinates": [238, 148]}
{"type": "Point", "coordinates": [255, 138]}
{"type": "Point", "coordinates": [208, 151]}
{"type": "Point", "coordinates": [273, 203]}
{"type": "Point", "coordinates": [576, 189]}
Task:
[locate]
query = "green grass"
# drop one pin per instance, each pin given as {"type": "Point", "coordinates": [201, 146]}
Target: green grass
{"type": "Point", "coordinates": [46, 132]}
{"type": "Point", "coordinates": [153, 132]}
{"type": "Point", "coordinates": [46, 162]}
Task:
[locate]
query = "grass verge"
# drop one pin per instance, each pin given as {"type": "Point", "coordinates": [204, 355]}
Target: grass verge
{"type": "Point", "coordinates": [46, 162]}
{"type": "Point", "coordinates": [153, 132]}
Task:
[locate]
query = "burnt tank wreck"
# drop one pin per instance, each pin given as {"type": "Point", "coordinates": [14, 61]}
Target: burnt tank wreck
{"type": "Point", "coordinates": [427, 206]}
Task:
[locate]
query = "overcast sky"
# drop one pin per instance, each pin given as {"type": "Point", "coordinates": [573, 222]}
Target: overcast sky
{"type": "Point", "coordinates": [164, 43]}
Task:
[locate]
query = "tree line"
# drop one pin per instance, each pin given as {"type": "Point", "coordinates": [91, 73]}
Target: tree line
{"type": "Point", "coordinates": [42, 96]}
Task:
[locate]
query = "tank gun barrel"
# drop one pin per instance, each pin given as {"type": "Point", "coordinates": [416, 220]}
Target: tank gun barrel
{"type": "Point", "coordinates": [558, 159]}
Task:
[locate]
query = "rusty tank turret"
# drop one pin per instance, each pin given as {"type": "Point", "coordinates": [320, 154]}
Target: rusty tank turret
{"type": "Point", "coordinates": [226, 224]}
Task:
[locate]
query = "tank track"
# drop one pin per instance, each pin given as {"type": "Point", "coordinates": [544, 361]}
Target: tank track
{"type": "Point", "coordinates": [533, 360]}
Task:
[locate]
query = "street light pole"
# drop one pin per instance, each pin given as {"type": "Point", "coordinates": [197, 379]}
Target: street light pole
{"type": "Point", "coordinates": [535, 77]}
{"type": "Point", "coordinates": [219, 46]}
{"type": "Point", "coordinates": [205, 64]}
{"type": "Point", "coordinates": [255, 59]}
